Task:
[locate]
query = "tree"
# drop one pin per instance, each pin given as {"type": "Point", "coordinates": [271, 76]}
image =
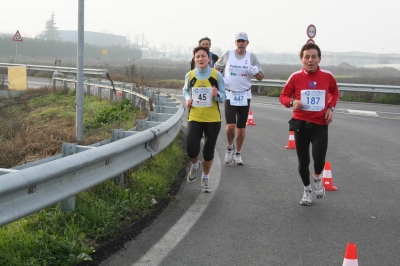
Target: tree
{"type": "Point", "coordinates": [50, 32]}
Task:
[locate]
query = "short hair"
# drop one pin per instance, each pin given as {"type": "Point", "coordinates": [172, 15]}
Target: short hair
{"type": "Point", "coordinates": [205, 39]}
{"type": "Point", "coordinates": [198, 48]}
{"type": "Point", "coordinates": [309, 46]}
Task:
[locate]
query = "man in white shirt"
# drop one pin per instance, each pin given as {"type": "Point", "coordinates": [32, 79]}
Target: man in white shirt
{"type": "Point", "coordinates": [238, 66]}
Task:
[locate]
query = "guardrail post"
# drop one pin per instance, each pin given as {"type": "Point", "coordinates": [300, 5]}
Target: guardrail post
{"type": "Point", "coordinates": [64, 85]}
{"type": "Point", "coordinates": [111, 94]}
{"type": "Point", "coordinates": [54, 83]}
{"type": "Point", "coordinates": [141, 125]}
{"type": "Point", "coordinates": [153, 116]}
{"type": "Point", "coordinates": [116, 135]}
{"type": "Point", "coordinates": [68, 149]}
{"type": "Point", "coordinates": [133, 100]}
{"type": "Point", "coordinates": [142, 105]}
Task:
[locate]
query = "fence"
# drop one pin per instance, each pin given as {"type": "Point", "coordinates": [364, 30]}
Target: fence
{"type": "Point", "coordinates": [59, 69]}
{"type": "Point", "coordinates": [342, 86]}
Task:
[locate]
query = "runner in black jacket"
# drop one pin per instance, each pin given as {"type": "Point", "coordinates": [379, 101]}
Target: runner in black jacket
{"type": "Point", "coordinates": [207, 43]}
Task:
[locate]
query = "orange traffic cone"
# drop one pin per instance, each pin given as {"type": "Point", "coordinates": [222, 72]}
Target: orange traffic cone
{"type": "Point", "coordinates": [291, 144]}
{"type": "Point", "coordinates": [250, 120]}
{"type": "Point", "coordinates": [327, 177]}
{"type": "Point", "coordinates": [350, 256]}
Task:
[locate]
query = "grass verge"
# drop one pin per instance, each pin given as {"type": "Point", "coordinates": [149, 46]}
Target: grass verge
{"type": "Point", "coordinates": [53, 237]}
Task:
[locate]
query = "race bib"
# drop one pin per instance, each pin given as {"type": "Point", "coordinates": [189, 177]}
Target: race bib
{"type": "Point", "coordinates": [239, 98]}
{"type": "Point", "coordinates": [313, 100]}
{"type": "Point", "coordinates": [202, 97]}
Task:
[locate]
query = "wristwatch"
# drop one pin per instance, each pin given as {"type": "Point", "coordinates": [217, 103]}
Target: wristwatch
{"type": "Point", "coordinates": [332, 108]}
{"type": "Point", "coordinates": [291, 103]}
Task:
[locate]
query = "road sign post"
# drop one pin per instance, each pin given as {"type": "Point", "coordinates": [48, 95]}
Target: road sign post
{"type": "Point", "coordinates": [311, 32]}
{"type": "Point", "coordinates": [17, 38]}
{"type": "Point", "coordinates": [104, 52]}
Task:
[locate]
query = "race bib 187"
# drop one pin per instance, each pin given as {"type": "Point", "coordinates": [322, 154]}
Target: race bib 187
{"type": "Point", "coordinates": [313, 100]}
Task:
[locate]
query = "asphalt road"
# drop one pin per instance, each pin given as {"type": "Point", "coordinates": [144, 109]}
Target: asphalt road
{"type": "Point", "coordinates": [33, 82]}
{"type": "Point", "coordinates": [253, 215]}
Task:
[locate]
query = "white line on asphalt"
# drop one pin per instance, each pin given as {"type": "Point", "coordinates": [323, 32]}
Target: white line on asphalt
{"type": "Point", "coordinates": [156, 254]}
{"type": "Point", "coordinates": [360, 112]}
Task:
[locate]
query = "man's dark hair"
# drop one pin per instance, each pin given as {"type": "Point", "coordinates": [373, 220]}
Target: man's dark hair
{"type": "Point", "coordinates": [309, 46]}
{"type": "Point", "coordinates": [205, 39]}
{"type": "Point", "coordinates": [198, 48]}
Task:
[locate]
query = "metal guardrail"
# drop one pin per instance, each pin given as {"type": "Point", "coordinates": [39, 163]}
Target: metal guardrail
{"type": "Point", "coordinates": [342, 86]}
{"type": "Point", "coordinates": [122, 88]}
{"type": "Point", "coordinates": [59, 69]}
{"type": "Point", "coordinates": [29, 188]}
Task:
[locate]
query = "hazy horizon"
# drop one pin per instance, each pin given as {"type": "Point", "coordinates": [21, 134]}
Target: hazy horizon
{"type": "Point", "coordinates": [272, 26]}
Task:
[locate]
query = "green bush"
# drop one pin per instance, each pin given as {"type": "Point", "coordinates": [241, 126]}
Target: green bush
{"type": "Point", "coordinates": [388, 99]}
{"type": "Point", "coordinates": [275, 92]}
{"type": "Point", "coordinates": [118, 112]}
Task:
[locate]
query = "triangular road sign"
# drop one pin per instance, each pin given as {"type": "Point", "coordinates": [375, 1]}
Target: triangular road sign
{"type": "Point", "coordinates": [17, 37]}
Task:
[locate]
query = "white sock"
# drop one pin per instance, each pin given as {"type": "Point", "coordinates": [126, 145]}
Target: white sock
{"type": "Point", "coordinates": [307, 187]}
{"type": "Point", "coordinates": [205, 176]}
{"type": "Point", "coordinates": [317, 177]}
{"type": "Point", "coordinates": [196, 165]}
{"type": "Point", "coordinates": [230, 147]}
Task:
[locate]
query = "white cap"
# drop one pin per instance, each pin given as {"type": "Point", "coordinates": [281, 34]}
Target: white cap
{"type": "Point", "coordinates": [241, 36]}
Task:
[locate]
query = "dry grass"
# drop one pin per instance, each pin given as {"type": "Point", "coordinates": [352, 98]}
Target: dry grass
{"type": "Point", "coordinates": [29, 133]}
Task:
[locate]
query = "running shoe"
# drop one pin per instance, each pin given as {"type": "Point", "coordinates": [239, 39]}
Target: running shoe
{"type": "Point", "coordinates": [319, 190]}
{"type": "Point", "coordinates": [191, 177]}
{"type": "Point", "coordinates": [307, 198]}
{"type": "Point", "coordinates": [238, 159]}
{"type": "Point", "coordinates": [229, 155]}
{"type": "Point", "coordinates": [206, 185]}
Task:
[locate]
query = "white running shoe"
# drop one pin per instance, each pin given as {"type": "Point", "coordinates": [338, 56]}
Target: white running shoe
{"type": "Point", "coordinates": [307, 198]}
{"type": "Point", "coordinates": [319, 190]}
{"type": "Point", "coordinates": [206, 185]}
{"type": "Point", "coordinates": [238, 159]}
{"type": "Point", "coordinates": [229, 155]}
{"type": "Point", "coordinates": [191, 177]}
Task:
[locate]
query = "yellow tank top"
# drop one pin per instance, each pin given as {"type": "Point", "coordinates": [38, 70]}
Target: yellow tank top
{"type": "Point", "coordinates": [204, 113]}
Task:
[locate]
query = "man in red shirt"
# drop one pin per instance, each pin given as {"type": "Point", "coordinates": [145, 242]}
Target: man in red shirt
{"type": "Point", "coordinates": [313, 94]}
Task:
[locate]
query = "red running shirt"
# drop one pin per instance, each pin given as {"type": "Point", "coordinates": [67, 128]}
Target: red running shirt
{"type": "Point", "coordinates": [321, 80]}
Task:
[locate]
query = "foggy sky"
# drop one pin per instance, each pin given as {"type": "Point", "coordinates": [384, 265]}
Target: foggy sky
{"type": "Point", "coordinates": [272, 25]}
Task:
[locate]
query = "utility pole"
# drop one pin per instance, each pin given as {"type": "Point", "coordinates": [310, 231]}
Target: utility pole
{"type": "Point", "coordinates": [79, 74]}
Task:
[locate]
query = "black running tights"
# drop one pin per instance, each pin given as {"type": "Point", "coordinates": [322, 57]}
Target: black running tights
{"type": "Point", "coordinates": [194, 135]}
{"type": "Point", "coordinates": [317, 136]}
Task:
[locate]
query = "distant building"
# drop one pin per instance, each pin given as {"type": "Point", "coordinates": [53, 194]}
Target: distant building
{"type": "Point", "coordinates": [95, 38]}
{"type": "Point", "coordinates": [149, 53]}
{"type": "Point", "coordinates": [146, 52]}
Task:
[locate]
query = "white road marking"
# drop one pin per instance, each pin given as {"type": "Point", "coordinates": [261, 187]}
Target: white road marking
{"type": "Point", "coordinates": [156, 254]}
{"type": "Point", "coordinates": [360, 112]}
